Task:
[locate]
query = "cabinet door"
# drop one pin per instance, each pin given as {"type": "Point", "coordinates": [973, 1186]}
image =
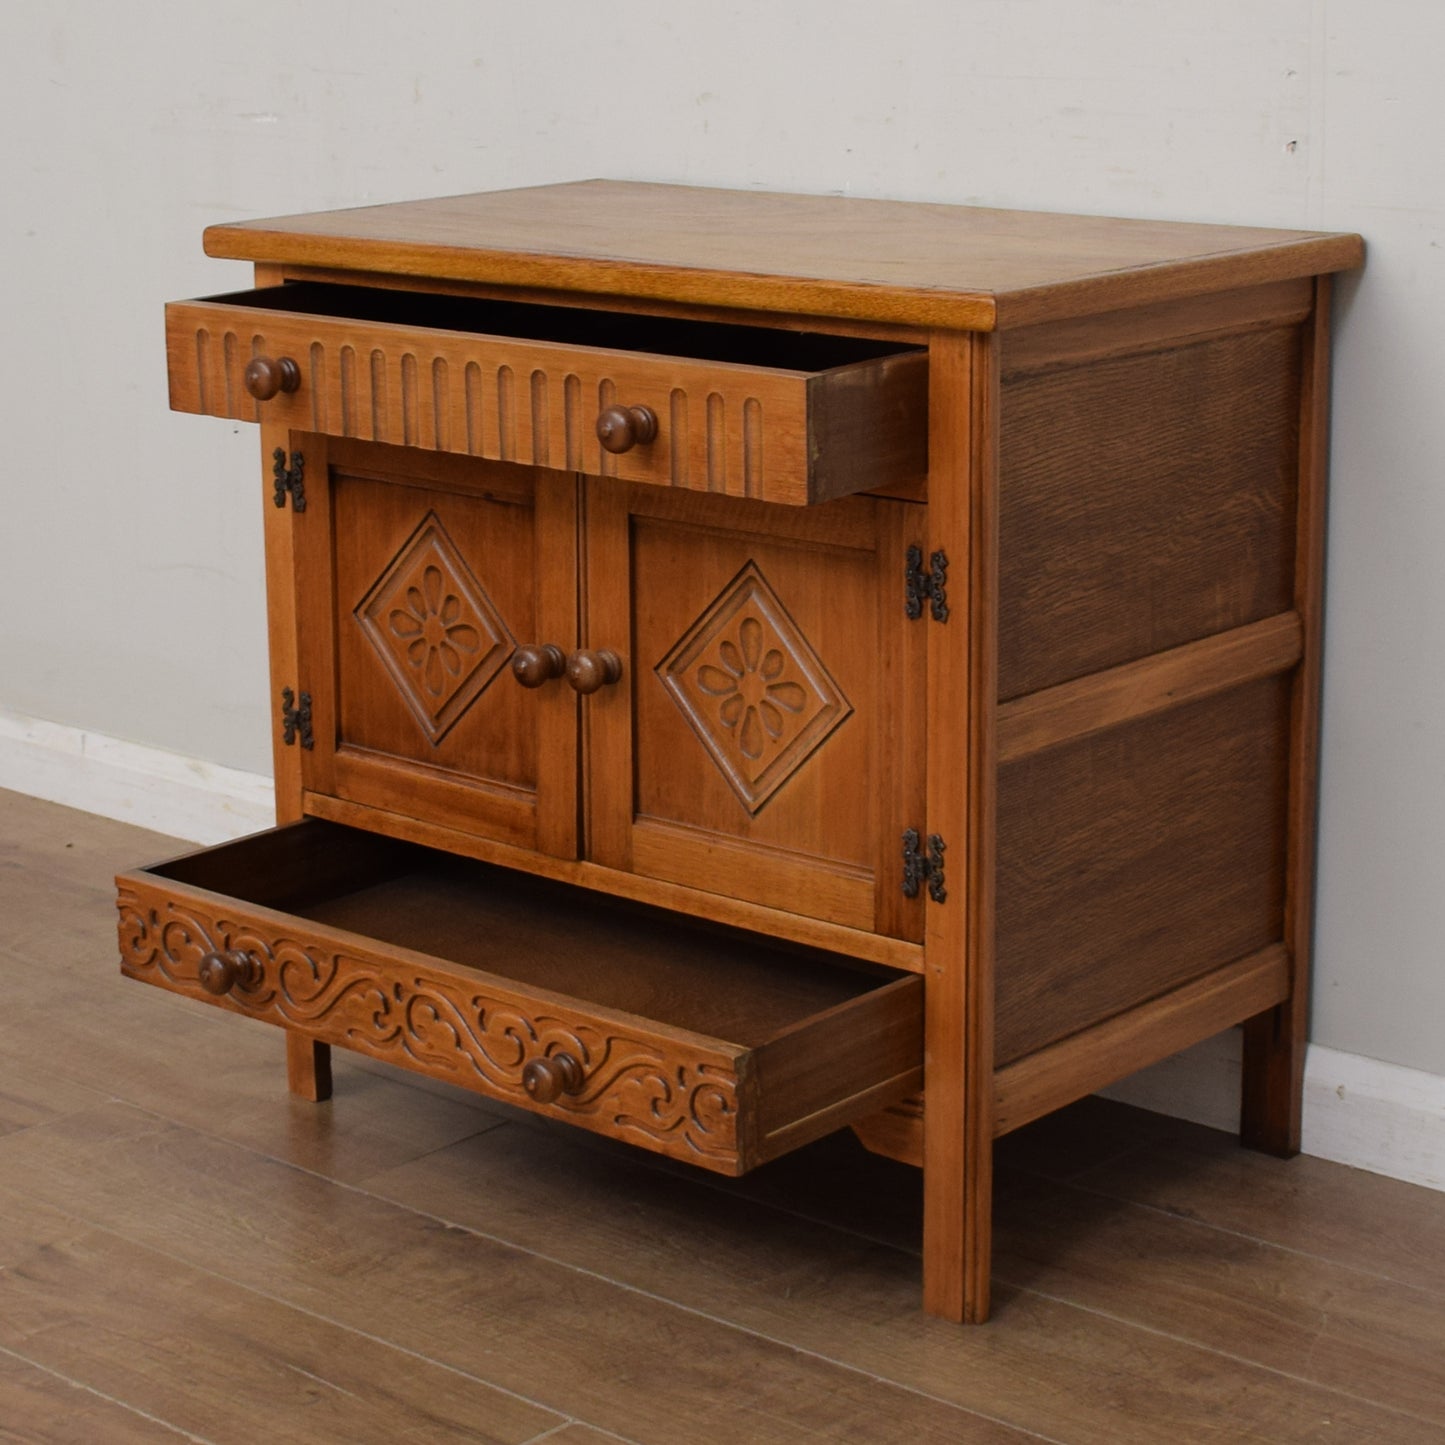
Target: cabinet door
{"type": "Point", "coordinates": [418, 577]}
{"type": "Point", "coordinates": [764, 740]}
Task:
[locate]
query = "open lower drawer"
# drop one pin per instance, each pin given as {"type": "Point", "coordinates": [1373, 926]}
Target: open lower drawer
{"type": "Point", "coordinates": [784, 416]}
{"type": "Point", "coordinates": [711, 1045]}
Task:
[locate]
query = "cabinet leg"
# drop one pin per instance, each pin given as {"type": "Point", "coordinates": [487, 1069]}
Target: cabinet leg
{"type": "Point", "coordinates": [1273, 1084]}
{"type": "Point", "coordinates": [958, 1236]}
{"type": "Point", "coordinates": [308, 1067]}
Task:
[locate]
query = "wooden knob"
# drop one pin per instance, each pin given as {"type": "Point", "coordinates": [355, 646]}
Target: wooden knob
{"type": "Point", "coordinates": [266, 375]}
{"type": "Point", "coordinates": [549, 1078]}
{"type": "Point", "coordinates": [588, 670]}
{"type": "Point", "coordinates": [222, 971]}
{"type": "Point", "coordinates": [537, 663]}
{"type": "Point", "coordinates": [620, 428]}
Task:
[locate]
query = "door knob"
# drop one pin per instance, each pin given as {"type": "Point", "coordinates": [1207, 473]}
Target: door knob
{"type": "Point", "coordinates": [587, 670]}
{"type": "Point", "coordinates": [538, 662]}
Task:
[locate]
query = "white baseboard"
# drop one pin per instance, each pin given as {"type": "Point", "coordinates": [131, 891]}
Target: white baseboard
{"type": "Point", "coordinates": [1357, 1111]}
{"type": "Point", "coordinates": [187, 798]}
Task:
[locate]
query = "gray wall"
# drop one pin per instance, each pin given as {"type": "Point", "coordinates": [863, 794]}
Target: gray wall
{"type": "Point", "coordinates": [130, 564]}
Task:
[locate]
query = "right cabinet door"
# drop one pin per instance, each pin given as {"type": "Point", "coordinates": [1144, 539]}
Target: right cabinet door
{"type": "Point", "coordinates": [764, 740]}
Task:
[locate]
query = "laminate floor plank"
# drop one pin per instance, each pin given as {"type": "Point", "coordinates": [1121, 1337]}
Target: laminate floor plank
{"type": "Point", "coordinates": [74, 846]}
{"type": "Point", "coordinates": [1324, 1317]}
{"type": "Point", "coordinates": [39, 1407]}
{"type": "Point", "coordinates": [1042, 1363]}
{"type": "Point", "coordinates": [29, 1097]}
{"type": "Point", "coordinates": [158, 1050]}
{"type": "Point", "coordinates": [1368, 1337]}
{"type": "Point", "coordinates": [174, 1225]}
{"type": "Point", "coordinates": [573, 1340]}
{"type": "Point", "coordinates": [55, 864]}
{"type": "Point", "coordinates": [182, 1345]}
{"type": "Point", "coordinates": [580, 1435]}
{"type": "Point", "coordinates": [211, 1070]}
{"type": "Point", "coordinates": [1310, 1206]}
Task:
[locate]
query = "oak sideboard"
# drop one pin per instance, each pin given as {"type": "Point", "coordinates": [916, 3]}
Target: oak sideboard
{"type": "Point", "coordinates": [749, 665]}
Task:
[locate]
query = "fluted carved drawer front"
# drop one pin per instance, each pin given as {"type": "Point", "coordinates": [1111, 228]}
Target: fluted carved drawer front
{"type": "Point", "coordinates": [784, 416]}
{"type": "Point", "coordinates": [712, 1046]}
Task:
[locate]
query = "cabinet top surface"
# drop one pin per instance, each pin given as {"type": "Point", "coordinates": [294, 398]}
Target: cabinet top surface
{"type": "Point", "coordinates": [923, 264]}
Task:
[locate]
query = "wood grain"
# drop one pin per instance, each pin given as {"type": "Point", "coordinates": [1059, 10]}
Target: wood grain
{"type": "Point", "coordinates": [1162, 326]}
{"type": "Point", "coordinates": [799, 1280]}
{"type": "Point", "coordinates": [469, 1302]}
{"type": "Point", "coordinates": [1146, 502]}
{"type": "Point", "coordinates": [1045, 1363]}
{"type": "Point", "coordinates": [1274, 1045]}
{"type": "Point", "coordinates": [1075, 710]}
{"type": "Point", "coordinates": [420, 577]}
{"type": "Point", "coordinates": [697, 903]}
{"type": "Point", "coordinates": [1379, 1226]}
{"type": "Point", "coordinates": [308, 1067]}
{"type": "Point", "coordinates": [747, 749]}
{"type": "Point", "coordinates": [930, 265]}
{"type": "Point", "coordinates": [959, 931]}
{"type": "Point", "coordinates": [1092, 1058]}
{"type": "Point", "coordinates": [40, 1407]}
{"type": "Point", "coordinates": [1121, 482]}
{"type": "Point", "coordinates": [1362, 1336]}
{"type": "Point", "coordinates": [120, 1316]}
{"type": "Point", "coordinates": [465, 973]}
{"type": "Point", "coordinates": [1138, 859]}
{"type": "Point", "coordinates": [784, 417]}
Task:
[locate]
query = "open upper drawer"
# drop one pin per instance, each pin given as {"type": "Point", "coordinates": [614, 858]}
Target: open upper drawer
{"type": "Point", "coordinates": [708, 1044]}
{"type": "Point", "coordinates": [783, 416]}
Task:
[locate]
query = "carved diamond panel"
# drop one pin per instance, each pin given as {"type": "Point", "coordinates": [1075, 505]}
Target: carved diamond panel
{"type": "Point", "coordinates": [436, 630]}
{"type": "Point", "coordinates": [753, 689]}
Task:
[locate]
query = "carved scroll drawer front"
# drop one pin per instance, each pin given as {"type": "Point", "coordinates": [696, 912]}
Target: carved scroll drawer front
{"type": "Point", "coordinates": [782, 416]}
{"type": "Point", "coordinates": [712, 1046]}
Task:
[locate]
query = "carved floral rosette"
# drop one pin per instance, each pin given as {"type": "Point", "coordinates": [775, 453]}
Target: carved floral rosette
{"type": "Point", "coordinates": [637, 1089]}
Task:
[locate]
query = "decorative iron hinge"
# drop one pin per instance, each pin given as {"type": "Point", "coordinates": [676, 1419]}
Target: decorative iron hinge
{"type": "Point", "coordinates": [296, 721]}
{"type": "Point", "coordinates": [289, 479]}
{"type": "Point", "coordinates": [932, 584]}
{"type": "Point", "coordinates": [919, 868]}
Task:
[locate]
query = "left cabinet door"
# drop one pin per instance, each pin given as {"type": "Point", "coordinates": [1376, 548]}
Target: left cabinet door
{"type": "Point", "coordinates": [418, 579]}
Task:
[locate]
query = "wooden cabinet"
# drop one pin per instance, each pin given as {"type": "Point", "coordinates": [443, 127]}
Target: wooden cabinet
{"type": "Point", "coordinates": [749, 665]}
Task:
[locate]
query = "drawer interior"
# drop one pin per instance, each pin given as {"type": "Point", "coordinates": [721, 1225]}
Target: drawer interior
{"type": "Point", "coordinates": [703, 978]}
{"type": "Point", "coordinates": [753, 346]}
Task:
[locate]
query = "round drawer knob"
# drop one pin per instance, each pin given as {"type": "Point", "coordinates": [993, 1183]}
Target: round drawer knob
{"type": "Point", "coordinates": [537, 663]}
{"type": "Point", "coordinates": [549, 1078]}
{"type": "Point", "coordinates": [224, 970]}
{"type": "Point", "coordinates": [620, 428]}
{"type": "Point", "coordinates": [266, 375]}
{"type": "Point", "coordinates": [587, 670]}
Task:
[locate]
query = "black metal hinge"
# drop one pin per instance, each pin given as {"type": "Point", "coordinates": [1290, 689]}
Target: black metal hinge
{"type": "Point", "coordinates": [289, 479]}
{"type": "Point", "coordinates": [920, 868]}
{"type": "Point", "coordinates": [296, 721]}
{"type": "Point", "coordinates": [932, 584]}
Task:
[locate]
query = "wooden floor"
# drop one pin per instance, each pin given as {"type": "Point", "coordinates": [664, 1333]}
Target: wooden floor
{"type": "Point", "coordinates": [187, 1252]}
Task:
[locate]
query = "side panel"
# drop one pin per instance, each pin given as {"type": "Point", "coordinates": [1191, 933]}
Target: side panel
{"type": "Point", "coordinates": [1150, 629]}
{"type": "Point", "coordinates": [1147, 500]}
